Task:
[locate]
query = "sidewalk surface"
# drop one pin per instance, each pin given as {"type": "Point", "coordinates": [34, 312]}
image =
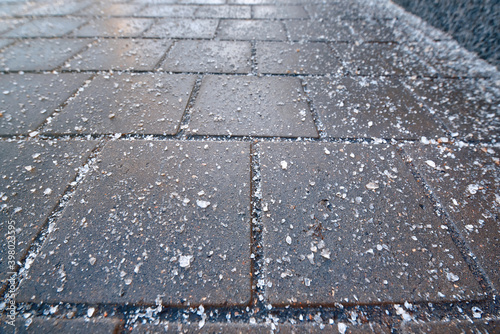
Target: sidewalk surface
{"type": "Point", "coordinates": [244, 166]}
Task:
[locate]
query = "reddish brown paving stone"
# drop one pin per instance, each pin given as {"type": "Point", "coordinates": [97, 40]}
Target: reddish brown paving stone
{"type": "Point", "coordinates": [153, 221]}
{"type": "Point", "coordinates": [452, 327]}
{"type": "Point", "coordinates": [251, 30]}
{"type": "Point", "coordinates": [348, 223]}
{"type": "Point", "coordinates": [37, 325]}
{"type": "Point", "coordinates": [466, 181]}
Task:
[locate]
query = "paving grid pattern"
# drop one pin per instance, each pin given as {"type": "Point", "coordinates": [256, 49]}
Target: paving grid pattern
{"type": "Point", "coordinates": [382, 165]}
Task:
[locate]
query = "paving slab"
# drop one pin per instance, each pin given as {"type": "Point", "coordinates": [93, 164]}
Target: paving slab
{"type": "Point", "coordinates": [348, 223]}
{"type": "Point", "coordinates": [126, 103]}
{"type": "Point", "coordinates": [46, 27]}
{"type": "Point", "coordinates": [12, 9]}
{"type": "Point", "coordinates": [467, 110]}
{"type": "Point", "coordinates": [224, 11]}
{"type": "Point", "coordinates": [251, 30]}
{"type": "Point", "coordinates": [319, 31]}
{"type": "Point", "coordinates": [114, 27]}
{"type": "Point", "coordinates": [279, 12]}
{"type": "Point", "coordinates": [9, 24]}
{"type": "Point", "coordinates": [251, 106]}
{"type": "Point", "coordinates": [162, 10]}
{"type": "Point", "coordinates": [296, 58]}
{"type": "Point", "coordinates": [183, 28]}
{"type": "Point", "coordinates": [375, 59]}
{"type": "Point", "coordinates": [466, 181]}
{"type": "Point", "coordinates": [452, 327]}
{"type": "Point", "coordinates": [117, 9]}
{"type": "Point", "coordinates": [376, 30]}
{"type": "Point", "coordinates": [155, 221]}
{"type": "Point", "coordinates": [6, 42]}
{"type": "Point", "coordinates": [361, 107]}
{"type": "Point", "coordinates": [39, 55]}
{"type": "Point", "coordinates": [121, 54]}
{"type": "Point", "coordinates": [35, 175]}
{"type": "Point", "coordinates": [63, 326]}
{"type": "Point", "coordinates": [27, 100]}
{"type": "Point", "coordinates": [59, 7]}
{"type": "Point", "coordinates": [209, 56]}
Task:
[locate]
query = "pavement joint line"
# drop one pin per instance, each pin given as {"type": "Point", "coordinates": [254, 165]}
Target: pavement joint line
{"type": "Point", "coordinates": [314, 112]}
{"type": "Point", "coordinates": [253, 58]}
{"type": "Point", "coordinates": [162, 58]}
{"type": "Point", "coordinates": [186, 116]}
{"type": "Point", "coordinates": [454, 231]}
{"type": "Point", "coordinates": [216, 31]}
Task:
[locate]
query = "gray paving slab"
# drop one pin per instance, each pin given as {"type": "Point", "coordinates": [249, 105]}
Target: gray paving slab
{"type": "Point", "coordinates": [39, 55]}
{"type": "Point", "coordinates": [466, 181]}
{"type": "Point", "coordinates": [348, 223]}
{"type": "Point", "coordinates": [9, 24]}
{"type": "Point", "coordinates": [361, 107]}
{"type": "Point", "coordinates": [452, 327]}
{"type": "Point", "coordinates": [59, 7]}
{"type": "Point", "coordinates": [121, 54]}
{"type": "Point", "coordinates": [35, 325]}
{"type": "Point", "coordinates": [467, 110]}
{"type": "Point", "coordinates": [162, 10]}
{"type": "Point", "coordinates": [46, 27]}
{"type": "Point", "coordinates": [380, 59]}
{"type": "Point", "coordinates": [165, 221]}
{"type": "Point", "coordinates": [279, 12]}
{"type": "Point", "coordinates": [251, 106]}
{"type": "Point", "coordinates": [296, 58]}
{"type": "Point", "coordinates": [6, 42]}
{"type": "Point", "coordinates": [114, 27]}
{"type": "Point", "coordinates": [183, 28]}
{"type": "Point", "coordinates": [224, 11]}
{"type": "Point", "coordinates": [117, 9]}
{"type": "Point", "coordinates": [11, 9]}
{"type": "Point", "coordinates": [126, 103]}
{"type": "Point", "coordinates": [251, 30]}
{"type": "Point", "coordinates": [27, 100]}
{"type": "Point", "coordinates": [34, 177]}
{"type": "Point", "coordinates": [209, 56]}
{"type": "Point", "coordinates": [313, 30]}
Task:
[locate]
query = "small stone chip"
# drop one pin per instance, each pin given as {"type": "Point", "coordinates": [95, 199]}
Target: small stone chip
{"type": "Point", "coordinates": [202, 204]}
{"type": "Point", "coordinates": [371, 186]}
{"type": "Point", "coordinates": [284, 165]}
{"type": "Point", "coordinates": [185, 261]}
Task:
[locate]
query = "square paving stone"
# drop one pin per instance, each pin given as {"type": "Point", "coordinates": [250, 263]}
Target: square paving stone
{"type": "Point", "coordinates": [121, 54]}
{"type": "Point", "coordinates": [348, 223]}
{"type": "Point", "coordinates": [114, 27]}
{"type": "Point", "coordinates": [303, 58]}
{"type": "Point", "coordinates": [39, 55]}
{"type": "Point", "coordinates": [209, 56]}
{"type": "Point", "coordinates": [27, 100]}
{"type": "Point", "coordinates": [251, 29]}
{"type": "Point", "coordinates": [46, 27]}
{"type": "Point", "coordinates": [463, 106]}
{"type": "Point", "coordinates": [251, 106]}
{"type": "Point", "coordinates": [466, 181]}
{"type": "Point", "coordinates": [335, 31]}
{"type": "Point", "coordinates": [361, 107]}
{"type": "Point", "coordinates": [34, 177]}
{"type": "Point", "coordinates": [183, 28]}
{"type": "Point", "coordinates": [63, 326]}
{"type": "Point", "coordinates": [279, 12]}
{"type": "Point", "coordinates": [223, 11]}
{"type": "Point", "coordinates": [379, 59]}
{"type": "Point", "coordinates": [127, 103]}
{"type": "Point", "coordinates": [157, 221]}
{"type": "Point", "coordinates": [168, 11]}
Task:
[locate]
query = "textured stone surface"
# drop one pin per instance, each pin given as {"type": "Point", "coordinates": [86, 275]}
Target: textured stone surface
{"type": "Point", "coordinates": [466, 108]}
{"type": "Point", "coordinates": [168, 220]}
{"type": "Point", "coordinates": [297, 58]}
{"type": "Point", "coordinates": [349, 223]}
{"type": "Point", "coordinates": [39, 55]}
{"type": "Point", "coordinates": [27, 100]}
{"type": "Point", "coordinates": [114, 27]}
{"type": "Point", "coordinates": [162, 10]}
{"type": "Point", "coordinates": [53, 27]}
{"type": "Point", "coordinates": [279, 12]}
{"type": "Point", "coordinates": [466, 181]}
{"type": "Point", "coordinates": [34, 177]}
{"type": "Point", "coordinates": [452, 327]}
{"type": "Point", "coordinates": [119, 9]}
{"type": "Point", "coordinates": [379, 59]}
{"type": "Point", "coordinates": [251, 29]}
{"type": "Point", "coordinates": [127, 103]}
{"type": "Point", "coordinates": [209, 56]}
{"type": "Point", "coordinates": [357, 107]}
{"type": "Point", "coordinates": [336, 31]}
{"type": "Point", "coordinates": [58, 7]}
{"type": "Point", "coordinates": [183, 28]}
{"type": "Point", "coordinates": [63, 326]}
{"type": "Point", "coordinates": [251, 106]}
{"type": "Point", "coordinates": [121, 54]}
{"type": "Point", "coordinates": [222, 11]}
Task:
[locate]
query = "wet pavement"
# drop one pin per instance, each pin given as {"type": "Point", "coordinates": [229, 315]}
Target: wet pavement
{"type": "Point", "coordinates": [244, 166]}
